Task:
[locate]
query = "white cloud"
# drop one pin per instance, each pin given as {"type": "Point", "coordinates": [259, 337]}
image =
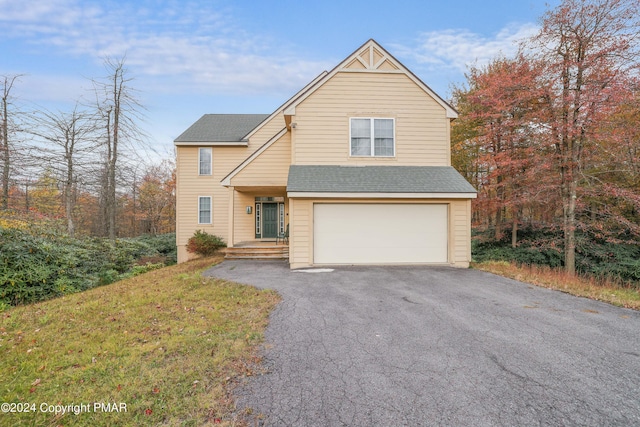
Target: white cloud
{"type": "Point", "coordinates": [50, 89]}
{"type": "Point", "coordinates": [456, 49]}
{"type": "Point", "coordinates": [196, 46]}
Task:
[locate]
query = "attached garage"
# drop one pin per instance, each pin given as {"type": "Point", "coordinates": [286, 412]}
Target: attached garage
{"type": "Point", "coordinates": [385, 233]}
{"type": "Point", "coordinates": [379, 215]}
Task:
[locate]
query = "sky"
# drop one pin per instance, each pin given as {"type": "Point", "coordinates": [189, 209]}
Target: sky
{"type": "Point", "coordinates": [189, 58]}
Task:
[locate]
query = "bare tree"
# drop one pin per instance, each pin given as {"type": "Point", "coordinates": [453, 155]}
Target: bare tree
{"type": "Point", "coordinates": [5, 132]}
{"type": "Point", "coordinates": [120, 112]}
{"type": "Point", "coordinates": [68, 138]}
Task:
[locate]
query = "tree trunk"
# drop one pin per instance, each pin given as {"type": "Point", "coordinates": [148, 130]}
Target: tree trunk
{"type": "Point", "coordinates": [119, 110]}
{"type": "Point", "coordinates": [112, 161]}
{"type": "Point", "coordinates": [498, 230]}
{"type": "Point", "coordinates": [68, 197]}
{"type": "Point", "coordinates": [110, 176]}
{"type": "Point", "coordinates": [569, 226]}
{"type": "Point", "coordinates": [26, 197]}
{"type": "Point", "coordinates": [514, 231]}
{"type": "Point", "coordinates": [4, 143]}
{"type": "Point", "coordinates": [111, 203]}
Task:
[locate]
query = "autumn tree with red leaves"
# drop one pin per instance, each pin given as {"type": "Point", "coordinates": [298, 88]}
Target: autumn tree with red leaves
{"type": "Point", "coordinates": [590, 52]}
{"type": "Point", "coordinates": [499, 113]}
{"type": "Point", "coordinates": [553, 132]}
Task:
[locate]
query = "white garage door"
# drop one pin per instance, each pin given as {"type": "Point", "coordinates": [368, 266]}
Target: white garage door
{"type": "Point", "coordinates": [380, 233]}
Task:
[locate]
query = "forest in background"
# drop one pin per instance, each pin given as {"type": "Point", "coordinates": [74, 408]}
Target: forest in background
{"type": "Point", "coordinates": [81, 204]}
{"type": "Point", "coordinates": [92, 166]}
{"type": "Point", "coordinates": [551, 139]}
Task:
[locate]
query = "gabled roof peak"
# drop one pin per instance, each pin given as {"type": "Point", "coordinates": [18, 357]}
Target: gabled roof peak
{"type": "Point", "coordinates": [369, 57]}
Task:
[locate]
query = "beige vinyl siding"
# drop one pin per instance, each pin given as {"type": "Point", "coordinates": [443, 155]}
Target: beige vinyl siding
{"type": "Point", "coordinates": [190, 185]}
{"type": "Point", "coordinates": [265, 132]}
{"type": "Point", "coordinates": [270, 168]}
{"type": "Point", "coordinates": [461, 232]}
{"type": "Point", "coordinates": [244, 224]}
{"type": "Point", "coordinates": [322, 120]}
{"type": "Point", "coordinates": [301, 239]}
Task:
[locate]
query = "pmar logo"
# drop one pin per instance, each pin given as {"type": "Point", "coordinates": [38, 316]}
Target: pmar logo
{"type": "Point", "coordinates": [109, 407]}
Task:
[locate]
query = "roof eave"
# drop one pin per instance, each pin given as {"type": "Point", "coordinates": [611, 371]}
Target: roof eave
{"type": "Point", "coordinates": [211, 143]}
{"type": "Point", "coordinates": [378, 195]}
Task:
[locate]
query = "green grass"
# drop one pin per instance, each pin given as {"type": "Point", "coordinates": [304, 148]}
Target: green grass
{"type": "Point", "coordinates": [168, 344]}
{"type": "Point", "coordinates": [610, 291]}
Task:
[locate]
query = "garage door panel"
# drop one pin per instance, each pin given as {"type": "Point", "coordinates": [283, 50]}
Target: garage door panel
{"type": "Point", "coordinates": [380, 233]}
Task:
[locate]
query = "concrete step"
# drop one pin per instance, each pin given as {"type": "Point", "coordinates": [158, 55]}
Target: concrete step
{"type": "Point", "coordinates": [257, 257]}
{"type": "Point", "coordinates": [257, 252]}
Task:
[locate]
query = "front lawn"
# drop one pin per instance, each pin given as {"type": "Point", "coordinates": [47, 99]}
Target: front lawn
{"type": "Point", "coordinates": [161, 348]}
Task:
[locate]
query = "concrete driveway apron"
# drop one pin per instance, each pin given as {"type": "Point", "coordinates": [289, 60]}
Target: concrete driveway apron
{"type": "Point", "coordinates": [422, 346]}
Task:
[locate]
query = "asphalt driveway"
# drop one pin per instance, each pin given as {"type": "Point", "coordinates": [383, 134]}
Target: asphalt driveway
{"type": "Point", "coordinates": [437, 346]}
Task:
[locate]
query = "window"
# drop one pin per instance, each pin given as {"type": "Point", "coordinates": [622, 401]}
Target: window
{"type": "Point", "coordinates": [372, 137]}
{"type": "Point", "coordinates": [258, 219]}
{"type": "Point", "coordinates": [204, 161]}
{"type": "Point", "coordinates": [281, 217]}
{"type": "Point", "coordinates": [204, 210]}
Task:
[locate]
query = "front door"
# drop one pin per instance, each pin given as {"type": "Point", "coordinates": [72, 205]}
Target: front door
{"type": "Point", "coordinates": [270, 220]}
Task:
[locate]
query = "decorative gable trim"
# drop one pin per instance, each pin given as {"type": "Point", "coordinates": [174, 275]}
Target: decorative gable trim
{"type": "Point", "coordinates": [373, 58]}
{"type": "Point", "coordinates": [226, 181]}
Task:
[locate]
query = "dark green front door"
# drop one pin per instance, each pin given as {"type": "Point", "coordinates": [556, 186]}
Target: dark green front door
{"type": "Point", "coordinates": [269, 220]}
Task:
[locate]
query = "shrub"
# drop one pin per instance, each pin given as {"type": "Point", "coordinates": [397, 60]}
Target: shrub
{"type": "Point", "coordinates": [203, 243]}
{"type": "Point", "coordinates": [31, 221]}
{"type": "Point", "coordinates": [163, 245]}
{"type": "Point", "coordinates": [595, 257]}
{"type": "Point", "coordinates": [141, 269]}
{"type": "Point", "coordinates": [36, 265]}
{"type": "Point", "coordinates": [33, 268]}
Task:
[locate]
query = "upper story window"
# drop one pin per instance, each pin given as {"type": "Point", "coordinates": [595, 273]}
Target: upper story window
{"type": "Point", "coordinates": [204, 161]}
{"type": "Point", "coordinates": [372, 137]}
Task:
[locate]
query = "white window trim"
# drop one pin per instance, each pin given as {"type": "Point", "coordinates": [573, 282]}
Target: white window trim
{"type": "Point", "coordinates": [259, 218]}
{"type": "Point", "coordinates": [210, 160]}
{"type": "Point", "coordinates": [371, 119]}
{"type": "Point", "coordinates": [210, 209]}
{"type": "Point", "coordinates": [281, 217]}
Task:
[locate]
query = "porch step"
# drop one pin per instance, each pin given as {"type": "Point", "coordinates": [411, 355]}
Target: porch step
{"type": "Point", "coordinates": [257, 252]}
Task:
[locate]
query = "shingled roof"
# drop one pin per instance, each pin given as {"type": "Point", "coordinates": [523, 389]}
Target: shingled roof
{"type": "Point", "coordinates": [376, 179]}
{"type": "Point", "coordinates": [212, 128]}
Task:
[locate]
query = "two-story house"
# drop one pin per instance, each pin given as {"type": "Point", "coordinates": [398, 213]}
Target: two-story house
{"type": "Point", "coordinates": [357, 165]}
